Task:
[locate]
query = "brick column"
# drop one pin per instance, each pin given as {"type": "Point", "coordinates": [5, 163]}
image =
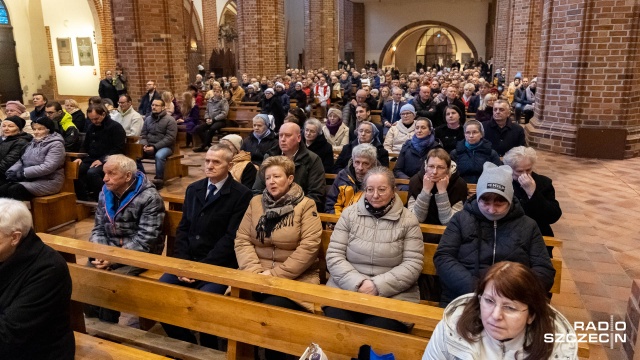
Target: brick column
{"type": "Point", "coordinates": [320, 34]}
{"type": "Point", "coordinates": [632, 319]}
{"type": "Point", "coordinates": [501, 34]}
{"type": "Point", "coordinates": [106, 54]}
{"type": "Point", "coordinates": [261, 37]}
{"type": "Point", "coordinates": [589, 75]}
{"type": "Point", "coordinates": [210, 23]}
{"type": "Point", "coordinates": [151, 44]}
{"type": "Point", "coordinates": [351, 30]}
{"type": "Point", "coordinates": [523, 46]}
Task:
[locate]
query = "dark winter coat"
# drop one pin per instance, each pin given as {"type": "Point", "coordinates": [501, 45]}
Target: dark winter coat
{"type": "Point", "coordinates": [160, 131]}
{"type": "Point", "coordinates": [471, 244]}
{"type": "Point", "coordinates": [35, 297]}
{"type": "Point", "coordinates": [505, 138]}
{"type": "Point", "coordinates": [273, 107]}
{"type": "Point", "coordinates": [345, 155]}
{"type": "Point", "coordinates": [11, 149]}
{"type": "Point", "coordinates": [449, 137]}
{"type": "Point", "coordinates": [43, 165]}
{"type": "Point", "coordinates": [207, 230]}
{"type": "Point", "coordinates": [104, 140]}
{"type": "Point", "coordinates": [259, 148]}
{"type": "Point", "coordinates": [324, 150]}
{"type": "Point", "coordinates": [106, 90]}
{"type": "Point", "coordinates": [309, 174]}
{"type": "Point", "coordinates": [134, 221]}
{"type": "Point", "coordinates": [410, 161]}
{"type": "Point", "coordinates": [144, 108]}
{"type": "Point", "coordinates": [543, 206]}
{"type": "Point", "coordinates": [470, 162]}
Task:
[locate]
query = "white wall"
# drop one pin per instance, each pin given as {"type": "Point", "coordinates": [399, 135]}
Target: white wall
{"type": "Point", "coordinates": [384, 19]}
{"type": "Point", "coordinates": [63, 23]}
{"type": "Point", "coordinates": [219, 7]}
{"type": "Point", "coordinates": [29, 35]}
{"type": "Point", "coordinates": [294, 16]}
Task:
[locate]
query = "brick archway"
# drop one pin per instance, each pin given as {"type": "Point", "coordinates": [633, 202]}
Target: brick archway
{"type": "Point", "coordinates": [425, 24]}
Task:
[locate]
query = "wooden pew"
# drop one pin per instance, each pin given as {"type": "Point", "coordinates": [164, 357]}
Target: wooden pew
{"type": "Point", "coordinates": [93, 348]}
{"type": "Point", "coordinates": [241, 116]}
{"type": "Point", "coordinates": [376, 117]}
{"type": "Point", "coordinates": [58, 209]}
{"type": "Point", "coordinates": [235, 317]}
{"type": "Point", "coordinates": [249, 103]}
{"type": "Point", "coordinates": [173, 167]}
{"type": "Point", "coordinates": [242, 131]}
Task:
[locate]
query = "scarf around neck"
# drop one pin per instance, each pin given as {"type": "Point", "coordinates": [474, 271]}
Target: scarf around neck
{"type": "Point", "coordinates": [423, 144]}
{"type": "Point", "coordinates": [381, 211]}
{"type": "Point", "coordinates": [472, 146]}
{"type": "Point", "coordinates": [333, 129]}
{"type": "Point", "coordinates": [278, 213]}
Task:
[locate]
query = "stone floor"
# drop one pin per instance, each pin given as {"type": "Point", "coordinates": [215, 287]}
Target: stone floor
{"type": "Point", "coordinates": [600, 200]}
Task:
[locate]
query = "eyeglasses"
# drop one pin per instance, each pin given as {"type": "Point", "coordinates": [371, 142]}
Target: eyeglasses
{"type": "Point", "coordinates": [434, 167]}
{"type": "Point", "coordinates": [490, 304]}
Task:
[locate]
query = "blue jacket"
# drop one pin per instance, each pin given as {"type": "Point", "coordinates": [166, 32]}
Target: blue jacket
{"type": "Point", "coordinates": [133, 222]}
{"type": "Point", "coordinates": [470, 162]}
{"type": "Point", "coordinates": [410, 161]}
{"type": "Point", "coordinates": [387, 110]}
{"type": "Point", "coordinates": [466, 249]}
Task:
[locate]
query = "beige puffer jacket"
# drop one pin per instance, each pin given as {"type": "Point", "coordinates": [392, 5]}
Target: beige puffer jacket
{"type": "Point", "coordinates": [388, 251]}
{"type": "Point", "coordinates": [291, 252]}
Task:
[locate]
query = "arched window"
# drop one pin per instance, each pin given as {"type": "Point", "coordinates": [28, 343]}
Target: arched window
{"type": "Point", "coordinates": [436, 45]}
{"type": "Point", "coordinates": [4, 16]}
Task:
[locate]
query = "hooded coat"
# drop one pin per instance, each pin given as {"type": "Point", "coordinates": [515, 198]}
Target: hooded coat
{"type": "Point", "coordinates": [132, 222]}
{"type": "Point", "coordinates": [11, 149]}
{"type": "Point", "coordinates": [470, 162]}
{"type": "Point", "coordinates": [388, 251]}
{"type": "Point", "coordinates": [35, 298]}
{"type": "Point", "coordinates": [43, 165]}
{"type": "Point", "coordinates": [471, 244]}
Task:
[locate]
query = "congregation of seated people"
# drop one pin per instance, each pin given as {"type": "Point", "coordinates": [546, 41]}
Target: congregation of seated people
{"type": "Point", "coordinates": [258, 207]}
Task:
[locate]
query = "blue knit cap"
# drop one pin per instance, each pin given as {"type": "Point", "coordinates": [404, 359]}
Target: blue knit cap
{"type": "Point", "coordinates": [408, 107]}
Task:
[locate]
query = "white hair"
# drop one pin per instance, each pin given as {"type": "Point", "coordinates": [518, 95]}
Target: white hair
{"type": "Point", "coordinates": [124, 163]}
{"type": "Point", "coordinates": [14, 216]}
{"type": "Point", "coordinates": [519, 153]}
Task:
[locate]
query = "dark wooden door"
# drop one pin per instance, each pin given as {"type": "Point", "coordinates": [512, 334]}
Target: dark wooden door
{"type": "Point", "coordinates": [10, 88]}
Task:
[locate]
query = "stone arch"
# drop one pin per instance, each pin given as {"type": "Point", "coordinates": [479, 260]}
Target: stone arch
{"type": "Point", "coordinates": [403, 32]}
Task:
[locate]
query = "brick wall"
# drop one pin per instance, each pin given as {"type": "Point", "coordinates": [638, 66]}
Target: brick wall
{"type": "Point", "coordinates": [53, 79]}
{"type": "Point", "coordinates": [351, 30]}
{"type": "Point", "coordinates": [105, 42]}
{"type": "Point", "coordinates": [320, 34]}
{"type": "Point", "coordinates": [151, 44]}
{"type": "Point", "coordinates": [632, 319]}
{"type": "Point", "coordinates": [210, 17]}
{"type": "Point", "coordinates": [523, 46]}
{"type": "Point", "coordinates": [261, 49]}
{"type": "Point", "coordinates": [501, 34]}
{"type": "Point", "coordinates": [587, 71]}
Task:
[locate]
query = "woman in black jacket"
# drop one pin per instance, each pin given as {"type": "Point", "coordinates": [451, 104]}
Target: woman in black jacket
{"type": "Point", "coordinates": [491, 227]}
{"type": "Point", "coordinates": [471, 153]}
{"type": "Point", "coordinates": [13, 144]}
{"type": "Point", "coordinates": [316, 142]}
{"type": "Point", "coordinates": [272, 105]}
{"type": "Point", "coordinates": [261, 140]}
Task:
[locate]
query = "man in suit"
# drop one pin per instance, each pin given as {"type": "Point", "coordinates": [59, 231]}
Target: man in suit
{"type": "Point", "coordinates": [212, 211]}
{"type": "Point", "coordinates": [391, 110]}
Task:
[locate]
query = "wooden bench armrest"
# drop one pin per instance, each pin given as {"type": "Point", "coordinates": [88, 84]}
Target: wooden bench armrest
{"type": "Point", "coordinates": [76, 155]}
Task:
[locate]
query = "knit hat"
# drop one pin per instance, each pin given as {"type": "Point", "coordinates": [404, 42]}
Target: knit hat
{"type": "Point", "coordinates": [269, 90]}
{"type": "Point", "coordinates": [497, 180]}
{"type": "Point", "coordinates": [518, 75]}
{"type": "Point", "coordinates": [280, 84]}
{"type": "Point", "coordinates": [46, 122]}
{"type": "Point", "coordinates": [251, 86]}
{"type": "Point", "coordinates": [20, 123]}
{"type": "Point", "coordinates": [335, 112]}
{"type": "Point", "coordinates": [16, 105]}
{"type": "Point", "coordinates": [299, 83]}
{"type": "Point", "coordinates": [408, 107]}
{"type": "Point", "coordinates": [234, 139]}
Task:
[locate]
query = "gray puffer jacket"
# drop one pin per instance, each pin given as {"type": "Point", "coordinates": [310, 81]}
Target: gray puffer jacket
{"type": "Point", "coordinates": [388, 251]}
{"type": "Point", "coordinates": [43, 165]}
{"type": "Point", "coordinates": [159, 131]}
{"type": "Point", "coordinates": [217, 109]}
{"type": "Point", "coordinates": [133, 222]}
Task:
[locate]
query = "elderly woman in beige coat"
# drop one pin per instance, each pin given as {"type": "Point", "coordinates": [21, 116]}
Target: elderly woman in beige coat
{"type": "Point", "coordinates": [376, 248]}
{"type": "Point", "coordinates": [335, 131]}
{"type": "Point", "coordinates": [280, 234]}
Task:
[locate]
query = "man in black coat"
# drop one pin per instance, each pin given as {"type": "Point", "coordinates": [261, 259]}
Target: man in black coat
{"type": "Point", "coordinates": [212, 211]}
{"type": "Point", "coordinates": [35, 292]}
{"type": "Point", "coordinates": [106, 88]}
{"type": "Point", "coordinates": [501, 132]}
{"type": "Point", "coordinates": [104, 137]}
{"type": "Point", "coordinates": [144, 108]}
{"type": "Point", "coordinates": [452, 99]}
